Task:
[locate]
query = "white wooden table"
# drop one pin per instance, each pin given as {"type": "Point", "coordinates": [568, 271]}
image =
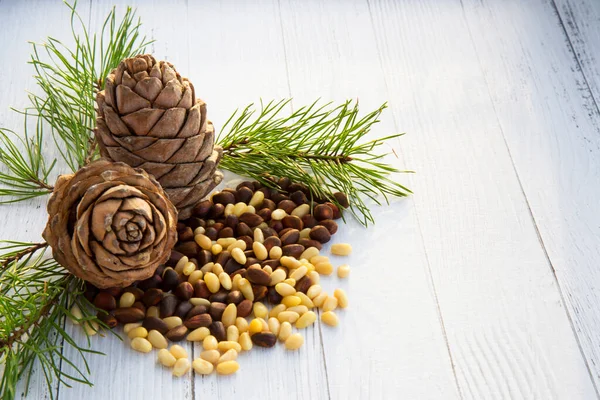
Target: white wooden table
{"type": "Point", "coordinates": [483, 285]}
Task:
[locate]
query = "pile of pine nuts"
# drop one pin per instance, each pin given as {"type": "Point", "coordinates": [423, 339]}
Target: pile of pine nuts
{"type": "Point", "coordinates": [241, 249]}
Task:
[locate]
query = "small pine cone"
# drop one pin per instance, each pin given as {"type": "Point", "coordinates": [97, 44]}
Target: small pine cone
{"type": "Point", "coordinates": [149, 117]}
{"type": "Point", "coordinates": [110, 224]}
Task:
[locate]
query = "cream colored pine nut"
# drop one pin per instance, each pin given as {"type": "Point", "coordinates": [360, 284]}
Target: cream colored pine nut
{"type": "Point", "coordinates": [198, 334]}
{"type": "Point", "coordinates": [330, 303]}
{"type": "Point", "coordinates": [241, 324]}
{"type": "Point", "coordinates": [203, 241]}
{"type": "Point", "coordinates": [210, 343]}
{"type": "Point", "coordinates": [255, 326]}
{"type": "Point", "coordinates": [289, 262]}
{"type": "Point", "coordinates": [216, 249]}
{"type": "Point", "coordinates": [298, 309]}
{"type": "Point", "coordinates": [132, 325]}
{"type": "Point", "coordinates": [238, 244]}
{"type": "Point", "coordinates": [275, 253]}
{"type": "Point", "coordinates": [172, 322]}
{"type": "Point", "coordinates": [76, 314]}
{"type": "Point", "coordinates": [268, 269]}
{"type": "Point", "coordinates": [285, 289]}
{"type": "Point", "coordinates": [189, 268]}
{"type": "Point", "coordinates": [126, 300]}
{"type": "Point", "coordinates": [153, 311]}
{"type": "Point", "coordinates": [217, 269]}
{"type": "Point", "coordinates": [228, 209]}
{"type": "Point", "coordinates": [212, 282]}
{"type": "Point", "coordinates": [233, 333]}
{"type": "Point", "coordinates": [291, 301]}
{"type": "Point", "coordinates": [307, 319]}
{"type": "Point", "coordinates": [199, 301]}
{"type": "Point", "coordinates": [277, 276]}
{"type": "Point", "coordinates": [239, 209]}
{"type": "Point", "coordinates": [208, 267]}
{"type": "Point", "coordinates": [238, 255]}
{"type": "Point", "coordinates": [301, 210]}
{"type": "Point", "coordinates": [91, 328]}
{"type": "Point", "coordinates": [182, 366]}
{"type": "Point", "coordinates": [157, 340]}
{"type": "Point", "coordinates": [260, 251]}
{"type": "Point", "coordinates": [142, 345]}
{"type": "Point", "coordinates": [285, 330]}
{"type": "Point", "coordinates": [137, 332]}
{"type": "Point", "coordinates": [245, 341]}
{"type": "Point", "coordinates": [259, 236]}
{"type": "Point", "coordinates": [225, 280]}
{"type": "Point", "coordinates": [195, 276]}
{"type": "Point", "coordinates": [343, 271]}
{"type": "Point", "coordinates": [257, 199]}
{"type": "Point", "coordinates": [294, 342]}
{"type": "Point", "coordinates": [305, 233]}
{"type": "Point", "coordinates": [180, 264]}
{"type": "Point", "coordinates": [288, 316]}
{"type": "Point", "coordinates": [229, 315]}
{"type": "Point", "coordinates": [229, 355]}
{"type": "Point", "coordinates": [342, 298]}
{"type": "Point", "coordinates": [276, 310]}
{"type": "Point", "coordinates": [199, 230]}
{"type": "Point", "coordinates": [260, 310]}
{"type": "Point", "coordinates": [314, 276]}
{"type": "Point", "coordinates": [320, 299]}
{"type": "Point", "coordinates": [299, 273]}
{"type": "Point", "coordinates": [341, 249]}
{"type": "Point", "coordinates": [246, 289]}
{"type": "Point", "coordinates": [166, 358]}
{"type": "Point", "coordinates": [227, 345]}
{"type": "Point", "coordinates": [250, 209]}
{"type": "Point", "coordinates": [318, 259]}
{"type": "Point", "coordinates": [212, 356]}
{"type": "Point", "coordinates": [178, 351]}
{"type": "Point", "coordinates": [235, 282]}
{"type": "Point", "coordinates": [278, 214]}
{"type": "Point", "coordinates": [324, 268]}
{"type": "Point", "coordinates": [309, 253]}
{"type": "Point", "coordinates": [265, 326]}
{"type": "Point", "coordinates": [290, 281]}
{"type": "Point", "coordinates": [274, 325]}
{"type": "Point", "coordinates": [228, 367]}
{"type": "Point", "coordinates": [329, 318]}
{"type": "Point", "coordinates": [226, 242]}
{"type": "Point", "coordinates": [202, 367]}
{"type": "Point", "coordinates": [305, 300]}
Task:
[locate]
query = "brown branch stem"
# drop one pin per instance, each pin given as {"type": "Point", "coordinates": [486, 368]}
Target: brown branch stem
{"type": "Point", "coordinates": [229, 150]}
{"type": "Point", "coordinates": [18, 255]}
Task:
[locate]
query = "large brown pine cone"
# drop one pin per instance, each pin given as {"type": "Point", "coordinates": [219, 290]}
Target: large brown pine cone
{"type": "Point", "coordinates": [149, 117]}
{"type": "Point", "coordinates": [110, 224]}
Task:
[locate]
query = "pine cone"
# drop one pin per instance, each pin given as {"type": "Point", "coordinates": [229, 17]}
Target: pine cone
{"type": "Point", "coordinates": [149, 117]}
{"type": "Point", "coordinates": [110, 224]}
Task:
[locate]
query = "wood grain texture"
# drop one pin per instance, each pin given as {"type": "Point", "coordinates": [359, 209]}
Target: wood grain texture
{"type": "Point", "coordinates": [551, 125]}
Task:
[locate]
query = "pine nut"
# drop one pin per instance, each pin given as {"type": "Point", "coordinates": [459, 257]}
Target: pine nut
{"type": "Point", "coordinates": [241, 324]}
{"type": "Point", "coordinates": [208, 267]}
{"type": "Point", "coordinates": [285, 330]}
{"type": "Point", "coordinates": [76, 314]}
{"type": "Point", "coordinates": [178, 351]}
{"type": "Point", "coordinates": [343, 271]}
{"type": "Point", "coordinates": [142, 345]}
{"type": "Point", "coordinates": [166, 358]}
{"type": "Point", "coordinates": [238, 255]}
{"type": "Point", "coordinates": [225, 280]}
{"type": "Point", "coordinates": [329, 318]}
{"type": "Point", "coordinates": [330, 304]}
{"type": "Point", "coordinates": [307, 319]}
{"type": "Point", "coordinates": [305, 300]}
{"type": "Point", "coordinates": [199, 230]}
{"type": "Point", "coordinates": [318, 259]}
{"type": "Point", "coordinates": [288, 316]}
{"type": "Point", "coordinates": [294, 342]}
{"type": "Point", "coordinates": [260, 310]}
{"type": "Point", "coordinates": [239, 209]}
{"type": "Point", "coordinates": [342, 298]}
{"type": "Point", "coordinates": [268, 269]}
{"type": "Point", "coordinates": [314, 276]}
{"type": "Point", "coordinates": [195, 276]}
{"type": "Point", "coordinates": [246, 289]}
{"type": "Point", "coordinates": [226, 242]}
{"type": "Point", "coordinates": [341, 249]}
{"type": "Point", "coordinates": [276, 310]}
{"type": "Point", "coordinates": [210, 222]}
{"type": "Point", "coordinates": [181, 263]}
{"type": "Point", "coordinates": [217, 269]}
{"type": "Point", "coordinates": [91, 328]}
{"type": "Point", "coordinates": [255, 326]}
{"type": "Point", "coordinates": [250, 209]}
{"type": "Point", "coordinates": [229, 315]}
{"type": "Point", "coordinates": [299, 273]}
{"type": "Point", "coordinates": [233, 333]}
{"type": "Point", "coordinates": [259, 236]}
{"type": "Point", "coordinates": [290, 281]}
{"type": "Point", "coordinates": [265, 325]}
{"type": "Point", "coordinates": [309, 253]}
{"type": "Point", "coordinates": [257, 199]}
{"type": "Point", "coordinates": [277, 276]}
{"type": "Point", "coordinates": [212, 356]}
{"type": "Point", "coordinates": [229, 355]}
{"type": "Point", "coordinates": [301, 210]}
{"type": "Point", "coordinates": [198, 334]}
{"type": "Point", "coordinates": [235, 282]}
{"type": "Point", "coordinates": [172, 322]}
{"type": "Point", "coordinates": [227, 367]}
{"type": "Point", "coordinates": [216, 249]}
{"type": "Point", "coordinates": [228, 209]}
{"type": "Point", "coordinates": [227, 345]}
{"type": "Point", "coordinates": [157, 340]}
{"type": "Point", "coordinates": [182, 366]}
{"type": "Point", "coordinates": [291, 301]}
{"type": "Point", "coordinates": [305, 233]}
{"type": "Point", "coordinates": [289, 262]}
{"type": "Point", "coordinates": [245, 341]}
{"type": "Point", "coordinates": [238, 244]}
{"type": "Point", "coordinates": [260, 251]}
{"type": "Point", "coordinates": [126, 300]}
{"type": "Point", "coordinates": [285, 289]}
{"type": "Point", "coordinates": [138, 332]}
{"type": "Point", "coordinates": [275, 253]}
{"type": "Point", "coordinates": [324, 268]}
{"type": "Point", "coordinates": [320, 299]}
{"type": "Point", "coordinates": [210, 343]}
{"type": "Point", "coordinates": [128, 327]}
{"type": "Point", "coordinates": [203, 241]}
{"type": "Point", "coordinates": [298, 309]}
{"type": "Point", "coordinates": [212, 282]}
{"type": "Point", "coordinates": [189, 268]}
{"type": "Point", "coordinates": [199, 301]}
{"type": "Point", "coordinates": [202, 367]}
{"type": "Point", "coordinates": [274, 325]}
{"type": "Point", "coordinates": [278, 214]}
{"type": "Point", "coordinates": [153, 311]}
{"type": "Point", "coordinates": [309, 268]}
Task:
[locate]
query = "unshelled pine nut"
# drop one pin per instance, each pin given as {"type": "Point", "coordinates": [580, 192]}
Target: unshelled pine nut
{"type": "Point", "coordinates": [330, 303]}
{"type": "Point", "coordinates": [298, 309]}
{"type": "Point", "coordinates": [142, 345]}
{"type": "Point", "coordinates": [291, 301]}
{"type": "Point", "coordinates": [288, 316]}
{"type": "Point", "coordinates": [202, 367]}
{"type": "Point", "coordinates": [260, 310]}
{"type": "Point", "coordinates": [212, 356]}
{"type": "Point", "coordinates": [343, 271]}
{"type": "Point", "coordinates": [172, 322]}
{"type": "Point", "coordinates": [227, 367]}
{"type": "Point", "coordinates": [166, 358]}
{"type": "Point", "coordinates": [275, 253]}
{"type": "Point", "coordinates": [181, 263]}
{"type": "Point", "coordinates": [189, 268]}
{"type": "Point", "coordinates": [314, 277]}
{"type": "Point", "coordinates": [76, 314]}
{"type": "Point", "coordinates": [342, 298]}
{"type": "Point", "coordinates": [130, 326]}
{"type": "Point", "coordinates": [294, 342]}
{"type": "Point", "coordinates": [324, 268]}
{"type": "Point", "coordinates": [246, 289]}
{"type": "Point", "coordinates": [245, 341]}
{"type": "Point", "coordinates": [285, 289]}
{"type": "Point", "coordinates": [210, 343]}
{"type": "Point", "coordinates": [278, 214]}
{"type": "Point", "coordinates": [225, 280]}
{"type": "Point", "coordinates": [320, 299]}
{"type": "Point", "coordinates": [257, 199]}
{"type": "Point", "coordinates": [274, 325]}
{"type": "Point", "coordinates": [182, 366]}
{"type": "Point", "coordinates": [260, 251]}
{"type": "Point", "coordinates": [126, 300]}
{"type": "Point", "coordinates": [305, 300]}
{"type": "Point", "coordinates": [241, 324]}
{"type": "Point", "coordinates": [178, 351]}
{"type": "Point", "coordinates": [309, 253]}
{"type": "Point", "coordinates": [157, 340]}
{"type": "Point", "coordinates": [329, 318]}
{"type": "Point", "coordinates": [277, 276]}
{"type": "Point", "coordinates": [341, 249]}
{"type": "Point", "coordinates": [195, 276]}
{"type": "Point", "coordinates": [212, 282]}
{"type": "Point", "coordinates": [289, 262]}
{"type": "Point", "coordinates": [203, 241]}
{"type": "Point", "coordinates": [238, 255]}
{"type": "Point", "coordinates": [285, 330]}
{"type": "Point", "coordinates": [299, 273]}
{"type": "Point", "coordinates": [233, 333]}
{"type": "Point", "coordinates": [276, 310]}
{"type": "Point", "coordinates": [307, 319]}
{"type": "Point", "coordinates": [227, 345]}
{"type": "Point", "coordinates": [199, 301]}
{"type": "Point", "coordinates": [259, 236]}
{"type": "Point", "coordinates": [137, 332]}
{"type": "Point", "coordinates": [198, 334]}
{"type": "Point", "coordinates": [229, 315]}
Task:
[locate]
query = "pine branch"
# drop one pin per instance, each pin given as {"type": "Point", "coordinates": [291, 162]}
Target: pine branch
{"type": "Point", "coordinates": [317, 145]}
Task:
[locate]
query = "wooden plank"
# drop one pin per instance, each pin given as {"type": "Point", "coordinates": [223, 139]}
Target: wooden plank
{"type": "Point", "coordinates": [551, 125]}
{"type": "Point", "coordinates": [507, 328]}
{"type": "Point", "coordinates": [392, 333]}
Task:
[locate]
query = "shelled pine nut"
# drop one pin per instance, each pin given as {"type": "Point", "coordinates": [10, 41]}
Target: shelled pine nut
{"type": "Point", "coordinates": [233, 333]}
{"type": "Point", "coordinates": [203, 241]}
{"type": "Point", "coordinates": [307, 319]}
{"type": "Point", "coordinates": [178, 351]}
{"type": "Point", "coordinates": [198, 334]}
{"type": "Point", "coordinates": [212, 282]}
{"type": "Point", "coordinates": [181, 263]}
{"type": "Point", "coordinates": [241, 324]}
{"type": "Point", "coordinates": [330, 303]}
{"type": "Point", "coordinates": [309, 253]}
{"type": "Point", "coordinates": [258, 235]}
{"type": "Point", "coordinates": [202, 367]}
{"type": "Point", "coordinates": [228, 367]}
{"type": "Point", "coordinates": [343, 271]}
{"type": "Point", "coordinates": [260, 251]}
{"type": "Point", "coordinates": [126, 300]}
{"type": "Point", "coordinates": [182, 366]}
{"type": "Point", "coordinates": [274, 325]}
{"type": "Point", "coordinates": [277, 276]}
{"type": "Point", "coordinates": [246, 289]}
{"type": "Point", "coordinates": [142, 345]}
{"type": "Point", "coordinates": [229, 355]}
{"type": "Point", "coordinates": [157, 340]}
{"type": "Point", "coordinates": [130, 326]}
{"type": "Point", "coordinates": [225, 280]}
{"type": "Point", "coordinates": [76, 314]}
{"type": "Point", "coordinates": [195, 276]}
{"type": "Point", "coordinates": [137, 332]}
{"type": "Point", "coordinates": [300, 309]}
{"type": "Point", "coordinates": [245, 341]}
{"type": "Point", "coordinates": [212, 356]}
{"type": "Point", "coordinates": [294, 341]}
{"type": "Point", "coordinates": [285, 289]}
{"type": "Point", "coordinates": [172, 322]}
{"type": "Point", "coordinates": [329, 318]}
{"type": "Point", "coordinates": [210, 343]}
{"type": "Point", "coordinates": [291, 300]}
{"type": "Point", "coordinates": [342, 298]}
{"type": "Point", "coordinates": [288, 316]}
{"type": "Point", "coordinates": [255, 326]}
{"type": "Point", "coordinates": [260, 311]}
{"type": "Point", "coordinates": [227, 345]}
{"type": "Point", "coordinates": [305, 300]}
{"type": "Point", "coordinates": [229, 315]}
{"type": "Point", "coordinates": [285, 330]}
{"type": "Point", "coordinates": [276, 310]}
{"type": "Point", "coordinates": [320, 299]}
{"type": "Point", "coordinates": [166, 358]}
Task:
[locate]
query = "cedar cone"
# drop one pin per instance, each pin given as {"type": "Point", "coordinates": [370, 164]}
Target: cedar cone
{"type": "Point", "coordinates": [110, 224]}
{"type": "Point", "coordinates": [149, 117]}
